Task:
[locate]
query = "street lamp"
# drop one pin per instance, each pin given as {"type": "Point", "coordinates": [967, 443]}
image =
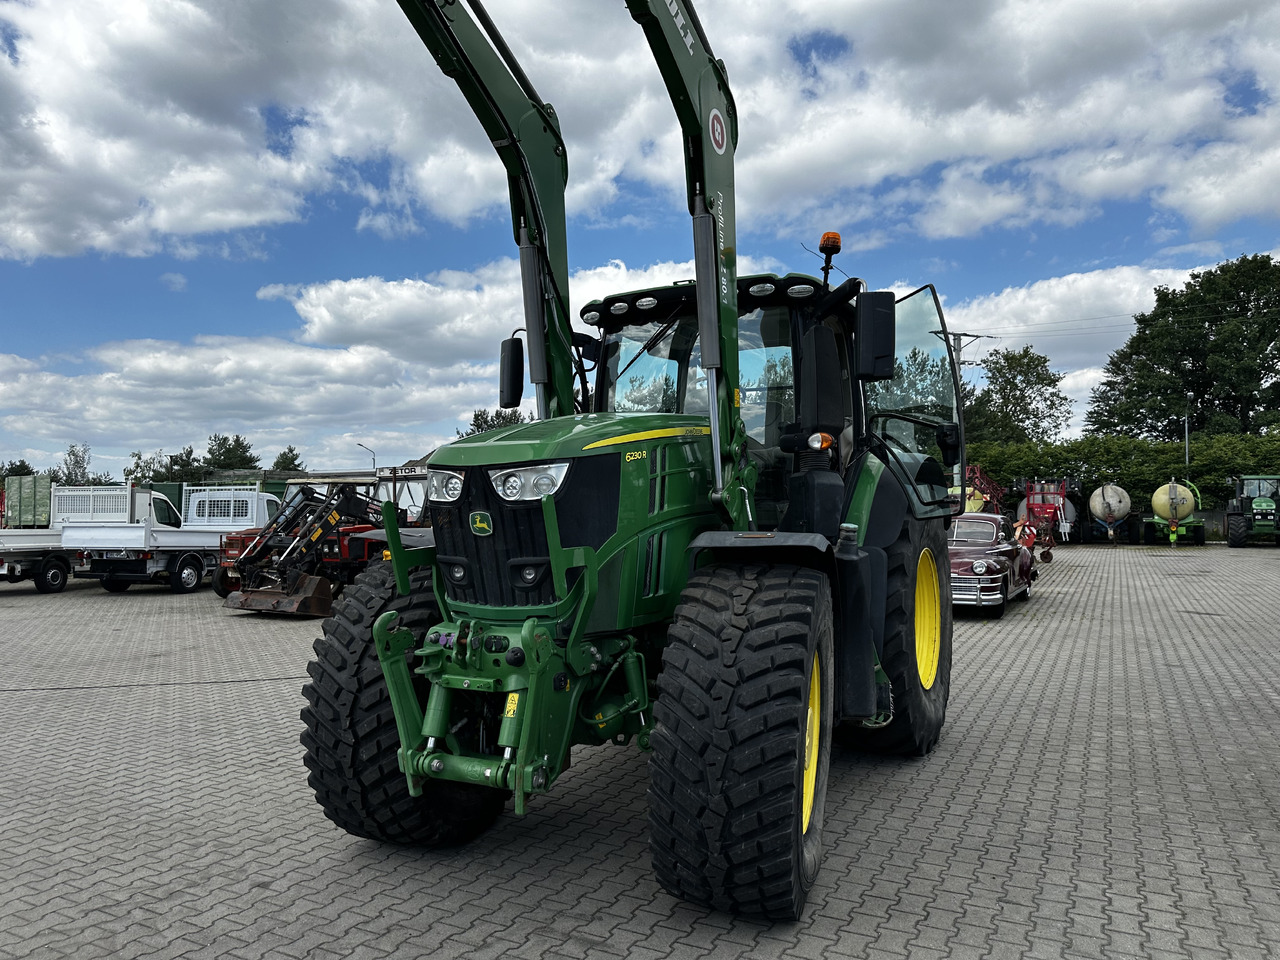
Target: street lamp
{"type": "Point", "coordinates": [372, 454]}
{"type": "Point", "coordinates": [1186, 426]}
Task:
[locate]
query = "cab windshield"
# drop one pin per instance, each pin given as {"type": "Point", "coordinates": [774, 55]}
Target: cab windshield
{"type": "Point", "coordinates": [1262, 487]}
{"type": "Point", "coordinates": [655, 367]}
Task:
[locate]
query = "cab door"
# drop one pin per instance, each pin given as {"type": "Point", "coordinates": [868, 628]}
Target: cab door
{"type": "Point", "coordinates": [917, 415]}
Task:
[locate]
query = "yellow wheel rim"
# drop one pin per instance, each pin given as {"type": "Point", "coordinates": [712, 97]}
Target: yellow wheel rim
{"type": "Point", "coordinates": [928, 619]}
{"type": "Point", "coordinates": [811, 733]}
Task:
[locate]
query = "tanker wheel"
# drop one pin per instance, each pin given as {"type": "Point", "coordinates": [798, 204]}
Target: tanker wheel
{"type": "Point", "coordinates": [742, 740]}
{"type": "Point", "coordinates": [917, 644]}
{"type": "Point", "coordinates": [115, 586]}
{"type": "Point", "coordinates": [52, 577]}
{"type": "Point", "coordinates": [222, 584]}
{"type": "Point", "coordinates": [351, 739]}
{"type": "Point", "coordinates": [1237, 531]}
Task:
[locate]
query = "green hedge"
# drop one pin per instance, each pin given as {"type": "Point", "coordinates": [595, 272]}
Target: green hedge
{"type": "Point", "coordinates": [1137, 465]}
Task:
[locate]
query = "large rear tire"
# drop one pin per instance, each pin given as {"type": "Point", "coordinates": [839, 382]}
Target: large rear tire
{"type": "Point", "coordinates": [742, 740]}
{"type": "Point", "coordinates": [917, 644]}
{"type": "Point", "coordinates": [52, 576]}
{"type": "Point", "coordinates": [1237, 531]}
{"type": "Point", "coordinates": [351, 739]}
{"type": "Point", "coordinates": [186, 576]}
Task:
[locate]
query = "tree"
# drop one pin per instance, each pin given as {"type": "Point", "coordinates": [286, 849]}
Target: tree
{"type": "Point", "coordinates": [1021, 401]}
{"type": "Point", "coordinates": [1217, 339]}
{"type": "Point", "coordinates": [183, 466]}
{"type": "Point", "coordinates": [483, 420]}
{"type": "Point", "coordinates": [288, 459]}
{"type": "Point", "coordinates": [73, 470]}
{"type": "Point", "coordinates": [16, 468]}
{"type": "Point", "coordinates": [230, 453]}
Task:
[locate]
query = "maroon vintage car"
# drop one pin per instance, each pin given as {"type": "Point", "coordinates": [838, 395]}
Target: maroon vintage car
{"type": "Point", "coordinates": [988, 565]}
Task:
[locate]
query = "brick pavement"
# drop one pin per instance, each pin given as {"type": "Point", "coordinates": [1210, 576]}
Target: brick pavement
{"type": "Point", "coordinates": [1108, 785]}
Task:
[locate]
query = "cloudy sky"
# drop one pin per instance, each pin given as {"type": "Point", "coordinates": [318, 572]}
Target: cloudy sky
{"type": "Point", "coordinates": [279, 219]}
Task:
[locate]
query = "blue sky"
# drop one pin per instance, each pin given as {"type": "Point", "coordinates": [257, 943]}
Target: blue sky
{"type": "Point", "coordinates": [280, 220]}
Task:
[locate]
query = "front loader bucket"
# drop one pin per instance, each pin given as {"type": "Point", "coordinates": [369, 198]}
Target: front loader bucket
{"type": "Point", "coordinates": [310, 597]}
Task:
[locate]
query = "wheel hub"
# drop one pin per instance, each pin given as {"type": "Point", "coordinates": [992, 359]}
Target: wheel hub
{"type": "Point", "coordinates": [813, 718]}
{"type": "Point", "coordinates": [928, 619]}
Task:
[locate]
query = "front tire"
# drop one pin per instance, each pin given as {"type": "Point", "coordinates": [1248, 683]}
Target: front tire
{"type": "Point", "coordinates": [996, 612]}
{"type": "Point", "coordinates": [351, 739]}
{"type": "Point", "coordinates": [917, 644]}
{"type": "Point", "coordinates": [222, 584]}
{"type": "Point", "coordinates": [1237, 531]}
{"type": "Point", "coordinates": [742, 740]}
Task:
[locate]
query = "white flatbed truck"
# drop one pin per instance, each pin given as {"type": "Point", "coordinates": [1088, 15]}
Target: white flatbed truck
{"type": "Point", "coordinates": [163, 546]}
{"type": "Point", "coordinates": [35, 511]}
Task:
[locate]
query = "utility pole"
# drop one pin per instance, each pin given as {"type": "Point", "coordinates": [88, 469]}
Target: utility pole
{"type": "Point", "coordinates": [958, 343]}
{"type": "Point", "coordinates": [1186, 428]}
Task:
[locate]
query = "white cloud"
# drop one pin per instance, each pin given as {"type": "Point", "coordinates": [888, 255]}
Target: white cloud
{"type": "Point", "coordinates": [1076, 320]}
{"type": "Point", "coordinates": [144, 125]}
{"type": "Point", "coordinates": [175, 282]}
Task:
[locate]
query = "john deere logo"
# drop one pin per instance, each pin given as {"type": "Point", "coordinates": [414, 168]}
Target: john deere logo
{"type": "Point", "coordinates": [481, 524]}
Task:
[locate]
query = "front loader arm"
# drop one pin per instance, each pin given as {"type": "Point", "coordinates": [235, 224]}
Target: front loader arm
{"type": "Point", "coordinates": [526, 134]}
{"type": "Point", "coordinates": [699, 89]}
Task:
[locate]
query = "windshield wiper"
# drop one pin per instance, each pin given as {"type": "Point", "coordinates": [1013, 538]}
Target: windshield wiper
{"type": "Point", "coordinates": [656, 338]}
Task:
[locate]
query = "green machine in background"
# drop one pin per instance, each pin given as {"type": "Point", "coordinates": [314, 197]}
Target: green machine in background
{"type": "Point", "coordinates": [722, 541]}
{"type": "Point", "coordinates": [1173, 507]}
{"type": "Point", "coordinates": [1251, 513]}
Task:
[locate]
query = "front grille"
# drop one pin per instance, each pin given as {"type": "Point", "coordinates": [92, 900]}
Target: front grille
{"type": "Point", "coordinates": [975, 591]}
{"type": "Point", "coordinates": [491, 565]}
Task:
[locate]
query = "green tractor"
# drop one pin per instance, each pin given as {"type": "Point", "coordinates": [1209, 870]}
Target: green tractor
{"type": "Point", "coordinates": [1252, 512]}
{"type": "Point", "coordinates": [723, 540]}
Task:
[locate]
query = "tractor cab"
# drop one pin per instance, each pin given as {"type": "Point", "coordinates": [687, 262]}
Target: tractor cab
{"type": "Point", "coordinates": [796, 340]}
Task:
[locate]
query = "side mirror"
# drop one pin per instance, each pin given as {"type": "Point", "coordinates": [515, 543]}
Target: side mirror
{"type": "Point", "coordinates": [873, 334]}
{"type": "Point", "coordinates": [511, 373]}
{"type": "Point", "coordinates": [948, 436]}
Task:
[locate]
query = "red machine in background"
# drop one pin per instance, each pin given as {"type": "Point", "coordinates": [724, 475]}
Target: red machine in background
{"type": "Point", "coordinates": [327, 531]}
{"type": "Point", "coordinates": [1047, 509]}
{"type": "Point", "coordinates": [985, 495]}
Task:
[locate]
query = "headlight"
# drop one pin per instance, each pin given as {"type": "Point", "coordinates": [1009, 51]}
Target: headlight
{"type": "Point", "coordinates": [443, 486]}
{"type": "Point", "coordinates": [980, 567]}
{"type": "Point", "coordinates": [528, 483]}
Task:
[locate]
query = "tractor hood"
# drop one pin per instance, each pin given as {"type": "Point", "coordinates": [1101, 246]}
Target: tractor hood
{"type": "Point", "coordinates": [566, 438]}
{"type": "Point", "coordinates": [1263, 503]}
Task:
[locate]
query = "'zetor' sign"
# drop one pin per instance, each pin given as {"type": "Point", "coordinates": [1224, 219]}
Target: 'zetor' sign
{"type": "Point", "coordinates": [718, 132]}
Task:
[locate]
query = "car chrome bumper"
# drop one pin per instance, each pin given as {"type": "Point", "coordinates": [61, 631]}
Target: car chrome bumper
{"type": "Point", "coordinates": [975, 591]}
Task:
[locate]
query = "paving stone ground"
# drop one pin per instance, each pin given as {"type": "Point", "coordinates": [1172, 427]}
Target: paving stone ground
{"type": "Point", "coordinates": [1108, 785]}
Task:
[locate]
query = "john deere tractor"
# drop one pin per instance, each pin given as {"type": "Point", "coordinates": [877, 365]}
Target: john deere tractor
{"type": "Point", "coordinates": [721, 542]}
{"type": "Point", "coordinates": [1251, 513]}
